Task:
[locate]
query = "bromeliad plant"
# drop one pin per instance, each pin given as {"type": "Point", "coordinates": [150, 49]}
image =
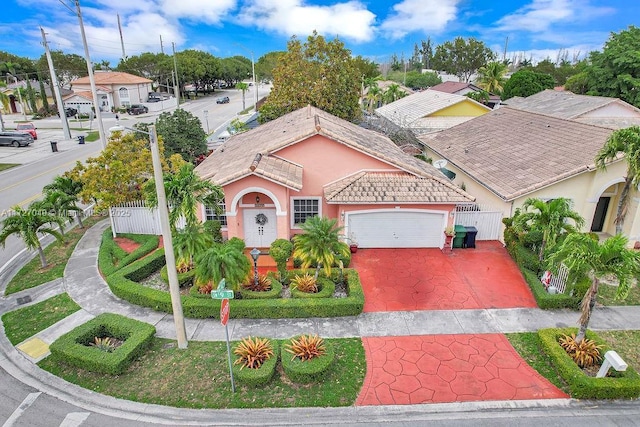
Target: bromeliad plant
{"type": "Point", "coordinates": [263, 285]}
{"type": "Point", "coordinates": [106, 344]}
{"type": "Point", "coordinates": [585, 353]}
{"type": "Point", "coordinates": [306, 347]}
{"type": "Point", "coordinates": [305, 283]}
{"type": "Point", "coordinates": [253, 352]}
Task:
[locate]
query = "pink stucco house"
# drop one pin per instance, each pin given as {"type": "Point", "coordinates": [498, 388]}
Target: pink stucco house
{"type": "Point", "coordinates": [308, 163]}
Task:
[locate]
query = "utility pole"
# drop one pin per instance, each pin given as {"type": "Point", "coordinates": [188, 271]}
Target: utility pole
{"type": "Point", "coordinates": [161, 45]}
{"type": "Point", "coordinates": [176, 87]}
{"type": "Point", "coordinates": [124, 55]}
{"type": "Point", "coordinates": [94, 92]}
{"type": "Point", "coordinates": [163, 210]}
{"type": "Point", "coordinates": [55, 88]}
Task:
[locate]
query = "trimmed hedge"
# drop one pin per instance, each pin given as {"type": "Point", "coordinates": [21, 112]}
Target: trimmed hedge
{"type": "Point", "coordinates": [112, 257]}
{"type": "Point", "coordinates": [307, 371]}
{"type": "Point", "coordinates": [545, 300]}
{"type": "Point", "coordinates": [326, 289]}
{"type": "Point", "coordinates": [274, 292]}
{"type": "Point", "coordinates": [124, 284]}
{"type": "Point", "coordinates": [262, 375]}
{"type": "Point", "coordinates": [620, 385]}
{"type": "Point", "coordinates": [73, 347]}
{"type": "Point", "coordinates": [184, 279]}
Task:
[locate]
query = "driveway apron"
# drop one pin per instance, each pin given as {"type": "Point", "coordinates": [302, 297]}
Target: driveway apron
{"type": "Point", "coordinates": [428, 279]}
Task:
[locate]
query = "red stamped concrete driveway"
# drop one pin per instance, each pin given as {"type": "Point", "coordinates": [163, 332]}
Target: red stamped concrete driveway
{"type": "Point", "coordinates": [428, 279]}
{"type": "Point", "coordinates": [448, 368]}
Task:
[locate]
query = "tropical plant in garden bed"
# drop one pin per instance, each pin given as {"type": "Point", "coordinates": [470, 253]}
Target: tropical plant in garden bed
{"type": "Point", "coordinates": [220, 261]}
{"type": "Point", "coordinates": [320, 244]}
{"type": "Point", "coordinates": [281, 250]}
{"type": "Point", "coordinates": [312, 358]}
{"type": "Point", "coordinates": [256, 361]}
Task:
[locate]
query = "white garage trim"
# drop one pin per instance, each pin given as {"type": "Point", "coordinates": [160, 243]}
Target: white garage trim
{"type": "Point", "coordinates": [396, 228]}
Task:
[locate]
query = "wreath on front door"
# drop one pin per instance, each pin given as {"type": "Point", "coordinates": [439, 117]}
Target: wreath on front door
{"type": "Point", "coordinates": [261, 219]}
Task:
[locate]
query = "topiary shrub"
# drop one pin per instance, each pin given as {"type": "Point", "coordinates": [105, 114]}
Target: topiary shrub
{"type": "Point", "coordinates": [250, 350]}
{"type": "Point", "coordinates": [281, 250]}
{"type": "Point", "coordinates": [308, 364]}
{"type": "Point", "coordinates": [237, 243]}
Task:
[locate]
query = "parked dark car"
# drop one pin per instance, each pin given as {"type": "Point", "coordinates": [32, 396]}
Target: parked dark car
{"type": "Point", "coordinates": [69, 112]}
{"type": "Point", "coordinates": [222, 100]}
{"type": "Point", "coordinates": [136, 109]}
{"type": "Point", "coordinates": [15, 139]}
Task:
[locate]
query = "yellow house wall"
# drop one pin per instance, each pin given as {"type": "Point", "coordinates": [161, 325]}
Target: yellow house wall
{"type": "Point", "coordinates": [461, 109]}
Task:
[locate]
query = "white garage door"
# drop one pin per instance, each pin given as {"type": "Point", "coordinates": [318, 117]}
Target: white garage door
{"type": "Point", "coordinates": [397, 229]}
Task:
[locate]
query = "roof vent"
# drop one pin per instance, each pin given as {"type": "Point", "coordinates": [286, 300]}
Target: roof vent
{"type": "Point", "coordinates": [255, 162]}
{"type": "Point", "coordinates": [317, 120]}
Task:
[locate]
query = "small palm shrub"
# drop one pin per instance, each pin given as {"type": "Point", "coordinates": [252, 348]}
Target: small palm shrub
{"type": "Point", "coordinates": [106, 344]}
{"type": "Point", "coordinates": [305, 283]}
{"type": "Point", "coordinates": [306, 347]}
{"type": "Point", "coordinates": [585, 354]}
{"type": "Point", "coordinates": [263, 285]}
{"type": "Point", "coordinates": [253, 352]}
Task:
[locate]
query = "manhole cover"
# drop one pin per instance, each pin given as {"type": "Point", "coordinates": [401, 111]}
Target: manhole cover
{"type": "Point", "coordinates": [24, 300]}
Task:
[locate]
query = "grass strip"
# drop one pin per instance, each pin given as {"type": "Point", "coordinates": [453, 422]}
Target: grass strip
{"type": "Point", "coordinates": [25, 322]}
{"type": "Point", "coordinates": [607, 295]}
{"type": "Point", "coordinates": [57, 255]}
{"type": "Point", "coordinates": [198, 377]}
{"type": "Point", "coordinates": [5, 166]}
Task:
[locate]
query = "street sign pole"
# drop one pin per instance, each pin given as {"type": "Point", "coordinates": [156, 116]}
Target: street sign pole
{"type": "Point", "coordinates": [224, 319]}
{"type": "Point", "coordinates": [233, 385]}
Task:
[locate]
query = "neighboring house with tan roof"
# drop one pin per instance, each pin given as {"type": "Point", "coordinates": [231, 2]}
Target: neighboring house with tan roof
{"type": "Point", "coordinates": [463, 88]}
{"type": "Point", "coordinates": [431, 111]}
{"type": "Point", "coordinates": [114, 89]}
{"type": "Point", "coordinates": [595, 110]}
{"type": "Point", "coordinates": [509, 155]}
{"type": "Point", "coordinates": [310, 163]}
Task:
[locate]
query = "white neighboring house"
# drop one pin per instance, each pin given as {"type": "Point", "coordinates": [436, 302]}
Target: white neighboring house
{"type": "Point", "coordinates": [114, 89]}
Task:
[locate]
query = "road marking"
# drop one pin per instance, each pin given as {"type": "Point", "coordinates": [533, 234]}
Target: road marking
{"type": "Point", "coordinates": [28, 401]}
{"type": "Point", "coordinates": [25, 201]}
{"type": "Point", "coordinates": [74, 419]}
{"type": "Point", "coordinates": [38, 175]}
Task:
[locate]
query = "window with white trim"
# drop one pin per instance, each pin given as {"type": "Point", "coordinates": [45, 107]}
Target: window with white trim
{"type": "Point", "coordinates": [210, 214]}
{"type": "Point", "coordinates": [123, 93]}
{"type": "Point", "coordinates": [303, 209]}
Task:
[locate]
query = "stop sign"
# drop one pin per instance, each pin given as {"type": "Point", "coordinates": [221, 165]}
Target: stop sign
{"type": "Point", "coordinates": [224, 311]}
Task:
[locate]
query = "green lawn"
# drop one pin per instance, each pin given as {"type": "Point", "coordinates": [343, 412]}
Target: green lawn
{"type": "Point", "coordinates": [25, 322]}
{"type": "Point", "coordinates": [94, 135]}
{"type": "Point", "coordinates": [626, 343]}
{"type": "Point", "coordinates": [607, 293]}
{"type": "Point", "coordinates": [198, 377]}
{"type": "Point", "coordinates": [57, 255]}
{"type": "Point", "coordinates": [5, 166]}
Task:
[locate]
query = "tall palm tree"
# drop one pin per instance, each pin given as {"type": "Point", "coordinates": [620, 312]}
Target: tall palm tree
{"type": "Point", "coordinates": [27, 223]}
{"type": "Point", "coordinates": [319, 244]}
{"type": "Point", "coordinates": [491, 77]}
{"type": "Point", "coordinates": [374, 96]}
{"type": "Point", "coordinates": [393, 93]}
{"type": "Point", "coordinates": [60, 205]}
{"type": "Point", "coordinates": [189, 242]}
{"type": "Point", "coordinates": [222, 261]}
{"type": "Point", "coordinates": [185, 190]}
{"type": "Point", "coordinates": [243, 87]}
{"type": "Point", "coordinates": [584, 255]}
{"type": "Point", "coordinates": [549, 217]}
{"type": "Point", "coordinates": [71, 188]}
{"type": "Point", "coordinates": [627, 142]}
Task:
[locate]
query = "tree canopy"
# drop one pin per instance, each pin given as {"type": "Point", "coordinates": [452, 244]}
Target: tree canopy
{"type": "Point", "coordinates": [182, 134]}
{"type": "Point", "coordinates": [461, 57]}
{"type": "Point", "coordinates": [525, 83]}
{"type": "Point", "coordinates": [319, 73]}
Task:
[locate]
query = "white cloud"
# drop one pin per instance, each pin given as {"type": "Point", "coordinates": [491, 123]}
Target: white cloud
{"type": "Point", "coordinates": [209, 11]}
{"type": "Point", "coordinates": [350, 20]}
{"type": "Point", "coordinates": [419, 15]}
{"type": "Point", "coordinates": [540, 15]}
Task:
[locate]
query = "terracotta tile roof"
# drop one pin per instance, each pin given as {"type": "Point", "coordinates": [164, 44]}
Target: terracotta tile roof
{"type": "Point", "coordinates": [392, 187]}
{"type": "Point", "coordinates": [563, 104]}
{"type": "Point", "coordinates": [111, 78]}
{"type": "Point", "coordinates": [454, 87]}
{"type": "Point", "coordinates": [514, 152]}
{"type": "Point", "coordinates": [84, 94]}
{"type": "Point", "coordinates": [234, 158]}
{"type": "Point", "coordinates": [405, 111]}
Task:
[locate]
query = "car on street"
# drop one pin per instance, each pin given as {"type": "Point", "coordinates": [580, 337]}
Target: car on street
{"type": "Point", "coordinates": [15, 139]}
{"type": "Point", "coordinates": [222, 100]}
{"type": "Point", "coordinates": [136, 109]}
{"type": "Point", "coordinates": [29, 128]}
{"type": "Point", "coordinates": [69, 112]}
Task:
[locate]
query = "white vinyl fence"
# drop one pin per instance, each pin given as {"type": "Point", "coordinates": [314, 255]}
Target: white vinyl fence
{"type": "Point", "coordinates": [486, 219]}
{"type": "Point", "coordinates": [557, 281]}
{"type": "Point", "coordinates": [137, 218]}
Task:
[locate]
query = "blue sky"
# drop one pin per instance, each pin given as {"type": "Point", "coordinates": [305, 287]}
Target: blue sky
{"type": "Point", "coordinates": [375, 28]}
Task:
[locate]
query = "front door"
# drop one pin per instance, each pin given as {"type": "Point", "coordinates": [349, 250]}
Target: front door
{"type": "Point", "coordinates": [600, 214]}
{"type": "Point", "coordinates": [260, 228]}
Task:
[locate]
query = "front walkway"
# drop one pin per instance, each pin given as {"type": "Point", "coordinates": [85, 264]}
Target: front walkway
{"type": "Point", "coordinates": [428, 279]}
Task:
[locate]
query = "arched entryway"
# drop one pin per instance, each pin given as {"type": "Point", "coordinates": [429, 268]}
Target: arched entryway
{"type": "Point", "coordinates": [605, 208]}
{"type": "Point", "coordinates": [258, 210]}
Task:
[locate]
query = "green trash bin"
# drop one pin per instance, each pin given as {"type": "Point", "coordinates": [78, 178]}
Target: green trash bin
{"type": "Point", "coordinates": [461, 232]}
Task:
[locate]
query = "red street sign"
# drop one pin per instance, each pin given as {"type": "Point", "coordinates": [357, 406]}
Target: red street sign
{"type": "Point", "coordinates": [224, 311]}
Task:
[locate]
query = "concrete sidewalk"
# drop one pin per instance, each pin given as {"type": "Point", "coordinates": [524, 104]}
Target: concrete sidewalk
{"type": "Point", "coordinates": [83, 282]}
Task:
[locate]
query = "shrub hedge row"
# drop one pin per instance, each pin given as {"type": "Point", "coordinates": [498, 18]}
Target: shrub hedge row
{"type": "Point", "coordinates": [112, 257]}
{"type": "Point", "coordinates": [73, 347]}
{"type": "Point", "coordinates": [262, 375]}
{"type": "Point", "coordinates": [184, 279]}
{"type": "Point", "coordinates": [124, 284]}
{"type": "Point", "coordinates": [326, 288]}
{"type": "Point", "coordinates": [619, 385]}
{"type": "Point", "coordinates": [276, 289]}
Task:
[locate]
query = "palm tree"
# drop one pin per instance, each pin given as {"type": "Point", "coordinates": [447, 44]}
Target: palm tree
{"type": "Point", "coordinates": [319, 244]}
{"type": "Point", "coordinates": [491, 77]}
{"type": "Point", "coordinates": [393, 93]}
{"type": "Point", "coordinates": [27, 223]}
{"type": "Point", "coordinates": [550, 218]}
{"type": "Point", "coordinates": [243, 87]}
{"type": "Point", "coordinates": [627, 142]}
{"type": "Point", "coordinates": [185, 190]}
{"type": "Point", "coordinates": [60, 205]}
{"type": "Point", "coordinates": [71, 188]}
{"type": "Point", "coordinates": [584, 255]}
{"type": "Point", "coordinates": [374, 96]}
{"type": "Point", "coordinates": [222, 261]}
{"type": "Point", "coordinates": [189, 242]}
